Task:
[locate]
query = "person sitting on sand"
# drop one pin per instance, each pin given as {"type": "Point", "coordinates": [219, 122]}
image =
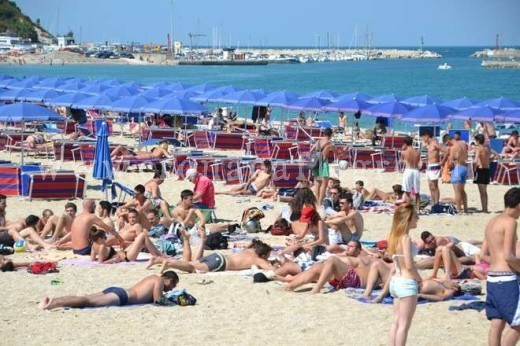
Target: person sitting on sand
{"type": "Point", "coordinates": [131, 230]}
{"type": "Point", "coordinates": [256, 254]}
{"type": "Point", "coordinates": [24, 230]}
{"type": "Point", "coordinates": [453, 267]}
{"type": "Point", "coordinates": [107, 254]}
{"type": "Point", "coordinates": [123, 153]}
{"type": "Point", "coordinates": [397, 196]}
{"type": "Point", "coordinates": [147, 291]}
{"type": "Point", "coordinates": [153, 193]}
{"type": "Point", "coordinates": [58, 226]}
{"type": "Point", "coordinates": [346, 225]}
{"type": "Point", "coordinates": [512, 147]}
{"type": "Point", "coordinates": [256, 183]}
{"type": "Point", "coordinates": [139, 203]}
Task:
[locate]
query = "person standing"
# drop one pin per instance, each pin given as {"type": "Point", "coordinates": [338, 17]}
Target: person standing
{"type": "Point", "coordinates": [459, 174]}
{"type": "Point", "coordinates": [433, 169]}
{"type": "Point", "coordinates": [503, 293]}
{"type": "Point", "coordinates": [321, 172]}
{"type": "Point", "coordinates": [204, 189]}
{"type": "Point", "coordinates": [482, 172]}
{"type": "Point", "coordinates": [411, 175]}
{"type": "Point", "coordinates": [405, 283]}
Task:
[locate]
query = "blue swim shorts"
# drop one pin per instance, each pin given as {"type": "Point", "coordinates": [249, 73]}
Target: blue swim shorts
{"type": "Point", "coordinates": [502, 301]}
{"type": "Point", "coordinates": [459, 174]}
{"type": "Point", "coordinates": [119, 292]}
{"type": "Point", "coordinates": [403, 287]}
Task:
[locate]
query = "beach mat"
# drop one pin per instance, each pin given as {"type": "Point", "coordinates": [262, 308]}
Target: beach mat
{"type": "Point", "coordinates": [84, 261]}
{"type": "Point", "coordinates": [355, 293]}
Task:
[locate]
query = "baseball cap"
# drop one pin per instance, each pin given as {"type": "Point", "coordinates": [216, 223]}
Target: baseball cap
{"type": "Point", "coordinates": [190, 173]}
{"type": "Point", "coordinates": [307, 213]}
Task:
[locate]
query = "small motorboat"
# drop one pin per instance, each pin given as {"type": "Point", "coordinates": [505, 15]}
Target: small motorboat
{"type": "Point", "coordinates": [444, 66]}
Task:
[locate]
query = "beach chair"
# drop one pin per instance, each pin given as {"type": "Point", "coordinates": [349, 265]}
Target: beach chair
{"type": "Point", "coordinates": [261, 147]}
{"type": "Point", "coordinates": [201, 139]}
{"type": "Point", "coordinates": [228, 141]}
{"type": "Point", "coordinates": [386, 160]}
{"type": "Point", "coordinates": [362, 158]}
{"type": "Point", "coordinates": [124, 191]}
{"type": "Point", "coordinates": [291, 132]}
{"type": "Point", "coordinates": [87, 153]}
{"type": "Point", "coordinates": [392, 142]}
{"type": "Point", "coordinates": [301, 151]}
{"type": "Point", "coordinates": [56, 185]}
{"type": "Point", "coordinates": [203, 164]}
{"type": "Point", "coordinates": [10, 180]}
{"type": "Point", "coordinates": [287, 174]}
{"type": "Point", "coordinates": [282, 150]}
{"type": "Point", "coordinates": [508, 173]}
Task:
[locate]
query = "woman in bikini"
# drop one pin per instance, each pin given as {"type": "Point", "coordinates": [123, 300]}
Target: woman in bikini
{"type": "Point", "coordinates": [123, 153]}
{"type": "Point", "coordinates": [321, 172]}
{"type": "Point", "coordinates": [404, 285]}
{"type": "Point", "coordinates": [107, 254]}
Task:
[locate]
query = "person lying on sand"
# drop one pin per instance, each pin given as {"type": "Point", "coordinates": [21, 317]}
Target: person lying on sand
{"type": "Point", "coordinates": [146, 291]}
{"type": "Point", "coordinates": [8, 265]}
{"type": "Point", "coordinates": [256, 254]}
{"type": "Point", "coordinates": [254, 186]}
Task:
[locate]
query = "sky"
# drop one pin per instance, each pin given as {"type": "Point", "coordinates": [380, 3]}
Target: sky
{"type": "Point", "coordinates": [245, 23]}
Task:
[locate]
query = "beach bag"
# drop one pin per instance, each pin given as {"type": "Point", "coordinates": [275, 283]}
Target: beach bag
{"type": "Point", "coordinates": [177, 296]}
{"type": "Point", "coordinates": [216, 241]}
{"type": "Point", "coordinates": [251, 220]}
{"type": "Point", "coordinates": [280, 227]}
{"type": "Point", "coordinates": [440, 208]}
{"type": "Point", "coordinates": [42, 267]}
{"type": "Point", "coordinates": [314, 160]}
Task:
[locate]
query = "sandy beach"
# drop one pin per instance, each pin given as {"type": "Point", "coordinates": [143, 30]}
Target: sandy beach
{"type": "Point", "coordinates": [232, 310]}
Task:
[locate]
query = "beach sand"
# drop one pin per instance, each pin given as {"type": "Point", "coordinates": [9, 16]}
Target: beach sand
{"type": "Point", "coordinates": [232, 310]}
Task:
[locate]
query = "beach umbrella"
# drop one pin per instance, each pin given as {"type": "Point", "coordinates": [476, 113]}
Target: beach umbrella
{"type": "Point", "coordinates": [500, 103]}
{"type": "Point", "coordinates": [41, 95]}
{"type": "Point", "coordinates": [385, 99]}
{"type": "Point", "coordinates": [201, 88]}
{"type": "Point", "coordinates": [322, 95]}
{"type": "Point", "coordinates": [51, 83]}
{"type": "Point", "coordinates": [355, 95]}
{"type": "Point", "coordinates": [242, 97]}
{"type": "Point", "coordinates": [422, 100]}
{"type": "Point", "coordinates": [179, 86]}
{"type": "Point", "coordinates": [156, 93]}
{"type": "Point", "coordinates": [156, 85]}
{"type": "Point", "coordinates": [132, 85]}
{"type": "Point", "coordinates": [429, 114]}
{"type": "Point", "coordinates": [130, 104]}
{"type": "Point", "coordinates": [461, 103]}
{"type": "Point", "coordinates": [66, 100]}
{"type": "Point", "coordinates": [120, 91]}
{"type": "Point", "coordinates": [23, 84]}
{"type": "Point", "coordinates": [174, 105]}
{"type": "Point", "coordinates": [513, 116]}
{"type": "Point", "coordinates": [181, 94]}
{"type": "Point", "coordinates": [94, 89]}
{"type": "Point", "coordinates": [308, 104]}
{"type": "Point", "coordinates": [102, 162]}
{"type": "Point", "coordinates": [228, 89]}
{"type": "Point", "coordinates": [477, 114]}
{"type": "Point", "coordinates": [95, 102]}
{"type": "Point", "coordinates": [110, 82]}
{"type": "Point", "coordinates": [278, 98]}
{"type": "Point", "coordinates": [346, 105]}
{"type": "Point", "coordinates": [388, 109]}
{"type": "Point", "coordinates": [14, 94]}
{"type": "Point", "coordinates": [71, 86]}
{"type": "Point", "coordinates": [209, 96]}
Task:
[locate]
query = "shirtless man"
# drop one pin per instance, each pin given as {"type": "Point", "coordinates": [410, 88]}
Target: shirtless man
{"type": "Point", "coordinates": [259, 180]}
{"type": "Point", "coordinates": [153, 193]}
{"type": "Point", "coordinates": [59, 226]}
{"type": "Point", "coordinates": [130, 230]}
{"type": "Point", "coordinates": [482, 171]}
{"type": "Point", "coordinates": [411, 176]}
{"type": "Point", "coordinates": [348, 222]}
{"type": "Point", "coordinates": [159, 152]}
{"type": "Point", "coordinates": [459, 174]}
{"type": "Point", "coordinates": [24, 230]}
{"type": "Point", "coordinates": [433, 170]}
{"type": "Point", "coordinates": [81, 226]}
{"type": "Point", "coordinates": [397, 196]}
{"type": "Point", "coordinates": [512, 147]}
{"type": "Point", "coordinates": [139, 203]}
{"type": "Point", "coordinates": [186, 214]}
{"type": "Point", "coordinates": [489, 130]}
{"type": "Point", "coordinates": [503, 292]}
{"type": "Point", "coordinates": [256, 254]}
{"type": "Point", "coordinates": [147, 291]}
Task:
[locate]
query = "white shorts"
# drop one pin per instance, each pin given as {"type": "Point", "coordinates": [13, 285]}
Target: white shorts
{"type": "Point", "coordinates": [411, 180]}
{"type": "Point", "coordinates": [433, 172]}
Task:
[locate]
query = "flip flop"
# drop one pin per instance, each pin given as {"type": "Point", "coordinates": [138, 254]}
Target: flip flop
{"type": "Point", "coordinates": [204, 282]}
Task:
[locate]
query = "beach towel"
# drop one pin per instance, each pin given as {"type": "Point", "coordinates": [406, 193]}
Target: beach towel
{"type": "Point", "coordinates": [356, 294]}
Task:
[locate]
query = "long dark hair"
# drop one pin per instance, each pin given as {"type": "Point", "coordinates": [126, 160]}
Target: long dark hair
{"type": "Point", "coordinates": [303, 197]}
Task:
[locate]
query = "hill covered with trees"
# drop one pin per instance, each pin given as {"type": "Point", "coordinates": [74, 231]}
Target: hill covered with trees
{"type": "Point", "coordinates": [14, 22]}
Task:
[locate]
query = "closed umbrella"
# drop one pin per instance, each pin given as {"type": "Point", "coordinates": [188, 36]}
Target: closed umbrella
{"type": "Point", "coordinates": [103, 169]}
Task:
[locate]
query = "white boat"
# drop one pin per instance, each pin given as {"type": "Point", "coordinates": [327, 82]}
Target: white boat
{"type": "Point", "coordinates": [444, 66]}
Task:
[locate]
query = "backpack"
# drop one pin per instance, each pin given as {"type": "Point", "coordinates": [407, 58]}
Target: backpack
{"type": "Point", "coordinates": [251, 220]}
{"type": "Point", "coordinates": [216, 241]}
{"type": "Point", "coordinates": [440, 208]}
{"type": "Point", "coordinates": [42, 267]}
{"type": "Point", "coordinates": [280, 227]}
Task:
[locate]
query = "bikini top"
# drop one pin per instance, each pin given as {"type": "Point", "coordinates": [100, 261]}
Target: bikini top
{"type": "Point", "coordinates": [415, 251]}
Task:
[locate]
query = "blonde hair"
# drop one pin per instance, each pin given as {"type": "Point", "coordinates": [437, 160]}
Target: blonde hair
{"type": "Point", "coordinates": [402, 217]}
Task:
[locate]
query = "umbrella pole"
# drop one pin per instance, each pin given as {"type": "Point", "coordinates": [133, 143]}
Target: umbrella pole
{"type": "Point", "coordinates": [22, 150]}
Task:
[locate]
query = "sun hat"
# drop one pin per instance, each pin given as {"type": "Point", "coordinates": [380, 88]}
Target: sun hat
{"type": "Point", "coordinates": [190, 173]}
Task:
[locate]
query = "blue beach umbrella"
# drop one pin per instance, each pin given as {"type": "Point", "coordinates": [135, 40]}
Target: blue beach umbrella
{"type": "Point", "coordinates": [66, 100]}
{"type": "Point", "coordinates": [102, 163]}
{"type": "Point", "coordinates": [94, 89]}
{"type": "Point", "coordinates": [308, 104]}
{"type": "Point", "coordinates": [385, 99]}
{"type": "Point", "coordinates": [130, 104]}
{"type": "Point", "coordinates": [462, 103]}
{"type": "Point", "coordinates": [513, 116]}
{"type": "Point", "coordinates": [228, 89]}
{"type": "Point", "coordinates": [346, 105]}
{"type": "Point", "coordinates": [51, 83]}
{"type": "Point", "coordinates": [14, 94]}
{"type": "Point", "coordinates": [422, 100]}
{"type": "Point", "coordinates": [181, 94]}
{"type": "Point", "coordinates": [501, 103]}
{"type": "Point", "coordinates": [95, 102]}
{"type": "Point", "coordinates": [429, 114]}
{"type": "Point", "coordinates": [72, 86]}
{"type": "Point", "coordinates": [179, 86]}
{"type": "Point", "coordinates": [120, 91]}
{"type": "Point", "coordinates": [278, 98]}
{"type": "Point", "coordinates": [242, 97]}
{"type": "Point", "coordinates": [210, 96]}
{"type": "Point", "coordinates": [156, 85]}
{"type": "Point", "coordinates": [41, 95]}
{"type": "Point", "coordinates": [322, 95]}
{"type": "Point", "coordinates": [478, 114]}
{"type": "Point", "coordinates": [156, 93]}
{"type": "Point", "coordinates": [355, 95]}
{"type": "Point", "coordinates": [174, 105]}
{"type": "Point", "coordinates": [23, 84]}
{"type": "Point", "coordinates": [388, 109]}
{"type": "Point", "coordinates": [201, 88]}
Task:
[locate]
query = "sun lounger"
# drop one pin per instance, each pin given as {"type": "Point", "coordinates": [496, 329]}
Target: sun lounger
{"type": "Point", "coordinates": [56, 185]}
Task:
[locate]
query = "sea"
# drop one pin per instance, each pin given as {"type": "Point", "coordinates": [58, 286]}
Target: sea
{"type": "Point", "coordinates": [404, 77]}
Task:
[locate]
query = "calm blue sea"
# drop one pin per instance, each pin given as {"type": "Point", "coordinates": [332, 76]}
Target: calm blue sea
{"type": "Point", "coordinates": [402, 77]}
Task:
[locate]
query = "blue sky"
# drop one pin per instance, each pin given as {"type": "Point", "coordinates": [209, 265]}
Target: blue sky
{"type": "Point", "coordinates": [246, 23]}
